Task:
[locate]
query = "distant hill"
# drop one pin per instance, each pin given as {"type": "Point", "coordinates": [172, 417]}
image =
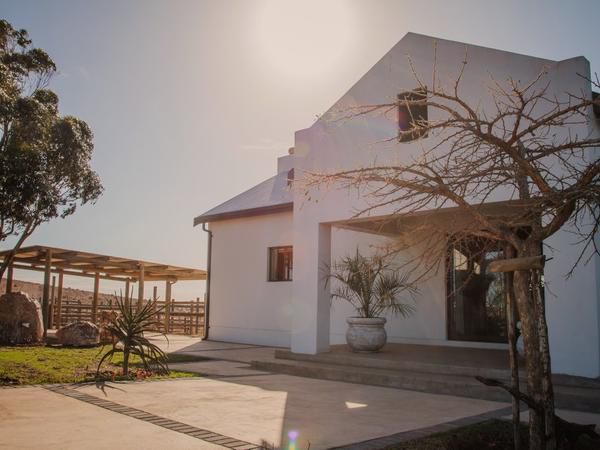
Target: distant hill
{"type": "Point", "coordinates": [34, 290]}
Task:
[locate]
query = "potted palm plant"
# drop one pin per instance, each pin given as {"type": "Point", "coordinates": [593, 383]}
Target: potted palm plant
{"type": "Point", "coordinates": [373, 288]}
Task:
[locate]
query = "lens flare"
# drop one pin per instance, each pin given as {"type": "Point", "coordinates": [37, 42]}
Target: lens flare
{"type": "Point", "coordinates": [292, 436]}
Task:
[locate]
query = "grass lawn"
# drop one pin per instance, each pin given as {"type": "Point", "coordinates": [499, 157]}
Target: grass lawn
{"type": "Point", "coordinates": [40, 364]}
{"type": "Point", "coordinates": [493, 434]}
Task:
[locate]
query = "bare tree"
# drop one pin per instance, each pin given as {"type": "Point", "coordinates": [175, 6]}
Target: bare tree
{"type": "Point", "coordinates": [534, 149]}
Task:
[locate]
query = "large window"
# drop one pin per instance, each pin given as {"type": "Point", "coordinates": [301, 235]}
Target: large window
{"type": "Point", "coordinates": [476, 298]}
{"type": "Point", "coordinates": [280, 263]}
{"type": "Point", "coordinates": [412, 115]}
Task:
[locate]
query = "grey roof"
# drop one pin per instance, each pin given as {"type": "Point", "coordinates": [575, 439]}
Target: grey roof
{"type": "Point", "coordinates": [272, 195]}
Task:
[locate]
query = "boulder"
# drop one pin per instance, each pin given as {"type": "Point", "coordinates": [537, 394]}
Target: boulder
{"type": "Point", "coordinates": [79, 334]}
{"type": "Point", "coordinates": [20, 319]}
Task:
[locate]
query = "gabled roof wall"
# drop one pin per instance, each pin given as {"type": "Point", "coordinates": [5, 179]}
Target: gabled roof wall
{"type": "Point", "coordinates": [331, 144]}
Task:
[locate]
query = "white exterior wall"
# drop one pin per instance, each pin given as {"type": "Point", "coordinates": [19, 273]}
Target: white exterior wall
{"type": "Point", "coordinates": [244, 306]}
{"type": "Point", "coordinates": [334, 145]}
{"type": "Point", "coordinates": [572, 308]}
{"type": "Point", "coordinates": [427, 325]}
{"type": "Point", "coordinates": [247, 308]}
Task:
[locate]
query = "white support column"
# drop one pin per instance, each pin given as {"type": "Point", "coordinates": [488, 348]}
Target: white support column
{"type": "Point", "coordinates": [311, 299]}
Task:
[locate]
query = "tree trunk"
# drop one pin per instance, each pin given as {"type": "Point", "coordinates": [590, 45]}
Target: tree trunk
{"type": "Point", "coordinates": [535, 337]}
{"type": "Point", "coordinates": [511, 324]}
{"type": "Point", "coordinates": [547, 388]}
{"type": "Point", "coordinates": [9, 258]}
{"type": "Point", "coordinates": [532, 356]}
{"type": "Point", "coordinates": [125, 361]}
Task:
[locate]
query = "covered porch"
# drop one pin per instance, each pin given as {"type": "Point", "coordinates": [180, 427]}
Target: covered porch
{"type": "Point", "coordinates": [460, 303]}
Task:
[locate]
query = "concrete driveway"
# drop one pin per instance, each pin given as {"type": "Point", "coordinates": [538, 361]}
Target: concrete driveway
{"type": "Point", "coordinates": [231, 405]}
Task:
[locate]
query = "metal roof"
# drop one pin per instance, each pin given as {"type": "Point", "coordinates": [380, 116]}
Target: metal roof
{"type": "Point", "coordinates": [270, 196]}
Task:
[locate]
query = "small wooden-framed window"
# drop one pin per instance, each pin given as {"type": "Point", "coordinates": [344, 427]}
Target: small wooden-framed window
{"type": "Point", "coordinates": [412, 115]}
{"type": "Point", "coordinates": [281, 265]}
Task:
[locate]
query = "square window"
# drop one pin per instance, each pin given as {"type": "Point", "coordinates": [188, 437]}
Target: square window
{"type": "Point", "coordinates": [280, 263]}
{"type": "Point", "coordinates": [412, 115]}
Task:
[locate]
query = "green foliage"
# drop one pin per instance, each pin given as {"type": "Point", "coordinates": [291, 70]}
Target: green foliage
{"type": "Point", "coordinates": [45, 364]}
{"type": "Point", "coordinates": [131, 328]}
{"type": "Point", "coordinates": [45, 158]}
{"type": "Point", "coordinates": [372, 286]}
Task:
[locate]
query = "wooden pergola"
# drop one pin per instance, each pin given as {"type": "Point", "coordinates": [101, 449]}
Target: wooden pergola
{"type": "Point", "coordinates": [62, 261]}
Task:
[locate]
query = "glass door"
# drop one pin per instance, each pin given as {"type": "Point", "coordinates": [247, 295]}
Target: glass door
{"type": "Point", "coordinates": [476, 298]}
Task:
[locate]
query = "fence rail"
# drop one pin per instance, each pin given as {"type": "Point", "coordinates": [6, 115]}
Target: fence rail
{"type": "Point", "coordinates": [177, 317]}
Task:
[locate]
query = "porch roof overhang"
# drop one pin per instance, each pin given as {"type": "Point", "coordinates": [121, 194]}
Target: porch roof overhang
{"type": "Point", "coordinates": [393, 225]}
{"type": "Point", "coordinates": [87, 264]}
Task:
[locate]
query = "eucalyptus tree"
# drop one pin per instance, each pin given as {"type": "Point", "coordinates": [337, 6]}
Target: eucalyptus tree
{"type": "Point", "coordinates": [45, 158]}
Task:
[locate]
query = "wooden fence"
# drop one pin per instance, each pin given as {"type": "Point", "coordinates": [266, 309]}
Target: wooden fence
{"type": "Point", "coordinates": [177, 317]}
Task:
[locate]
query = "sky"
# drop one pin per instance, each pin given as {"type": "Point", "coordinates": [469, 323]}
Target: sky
{"type": "Point", "coordinates": [191, 101]}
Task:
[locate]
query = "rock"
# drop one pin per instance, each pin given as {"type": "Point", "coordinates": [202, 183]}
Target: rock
{"type": "Point", "coordinates": [79, 334]}
{"type": "Point", "coordinates": [20, 319]}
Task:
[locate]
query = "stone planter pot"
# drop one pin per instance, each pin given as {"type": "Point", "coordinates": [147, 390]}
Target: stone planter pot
{"type": "Point", "coordinates": [366, 335]}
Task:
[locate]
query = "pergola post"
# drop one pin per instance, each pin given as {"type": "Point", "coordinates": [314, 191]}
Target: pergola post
{"type": "Point", "coordinates": [52, 306]}
{"type": "Point", "coordinates": [197, 314]}
{"type": "Point", "coordinates": [127, 289]}
{"type": "Point", "coordinates": [46, 289]}
{"type": "Point", "coordinates": [59, 295]}
{"type": "Point", "coordinates": [154, 301]}
{"type": "Point", "coordinates": [9, 279]}
{"type": "Point", "coordinates": [95, 298]}
{"type": "Point", "coordinates": [140, 287]}
{"type": "Point", "coordinates": [168, 285]}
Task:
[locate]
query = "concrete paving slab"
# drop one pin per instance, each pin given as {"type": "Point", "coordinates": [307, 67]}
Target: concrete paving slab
{"type": "Point", "coordinates": [213, 349]}
{"type": "Point", "coordinates": [217, 368]}
{"type": "Point", "coordinates": [34, 417]}
{"type": "Point", "coordinates": [265, 408]}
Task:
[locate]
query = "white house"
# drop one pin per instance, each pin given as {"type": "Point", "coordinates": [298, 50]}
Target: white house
{"type": "Point", "coordinates": [269, 243]}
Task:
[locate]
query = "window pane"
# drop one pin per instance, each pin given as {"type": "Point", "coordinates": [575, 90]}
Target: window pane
{"type": "Point", "coordinates": [476, 300]}
{"type": "Point", "coordinates": [280, 263]}
{"type": "Point", "coordinates": [411, 116]}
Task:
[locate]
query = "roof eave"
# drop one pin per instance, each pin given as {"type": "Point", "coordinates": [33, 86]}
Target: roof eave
{"type": "Point", "coordinates": [261, 210]}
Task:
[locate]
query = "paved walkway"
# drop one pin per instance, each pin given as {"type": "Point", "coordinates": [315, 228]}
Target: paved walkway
{"type": "Point", "coordinates": [232, 406]}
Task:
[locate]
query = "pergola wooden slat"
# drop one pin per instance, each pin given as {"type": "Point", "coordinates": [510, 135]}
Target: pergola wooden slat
{"type": "Point", "coordinates": [93, 265]}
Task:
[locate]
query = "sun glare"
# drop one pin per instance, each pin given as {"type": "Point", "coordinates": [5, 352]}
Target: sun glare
{"type": "Point", "coordinates": [304, 40]}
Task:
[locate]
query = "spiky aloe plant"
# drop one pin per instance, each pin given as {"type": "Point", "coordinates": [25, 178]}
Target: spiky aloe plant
{"type": "Point", "coordinates": [130, 329]}
{"type": "Point", "coordinates": [372, 286]}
